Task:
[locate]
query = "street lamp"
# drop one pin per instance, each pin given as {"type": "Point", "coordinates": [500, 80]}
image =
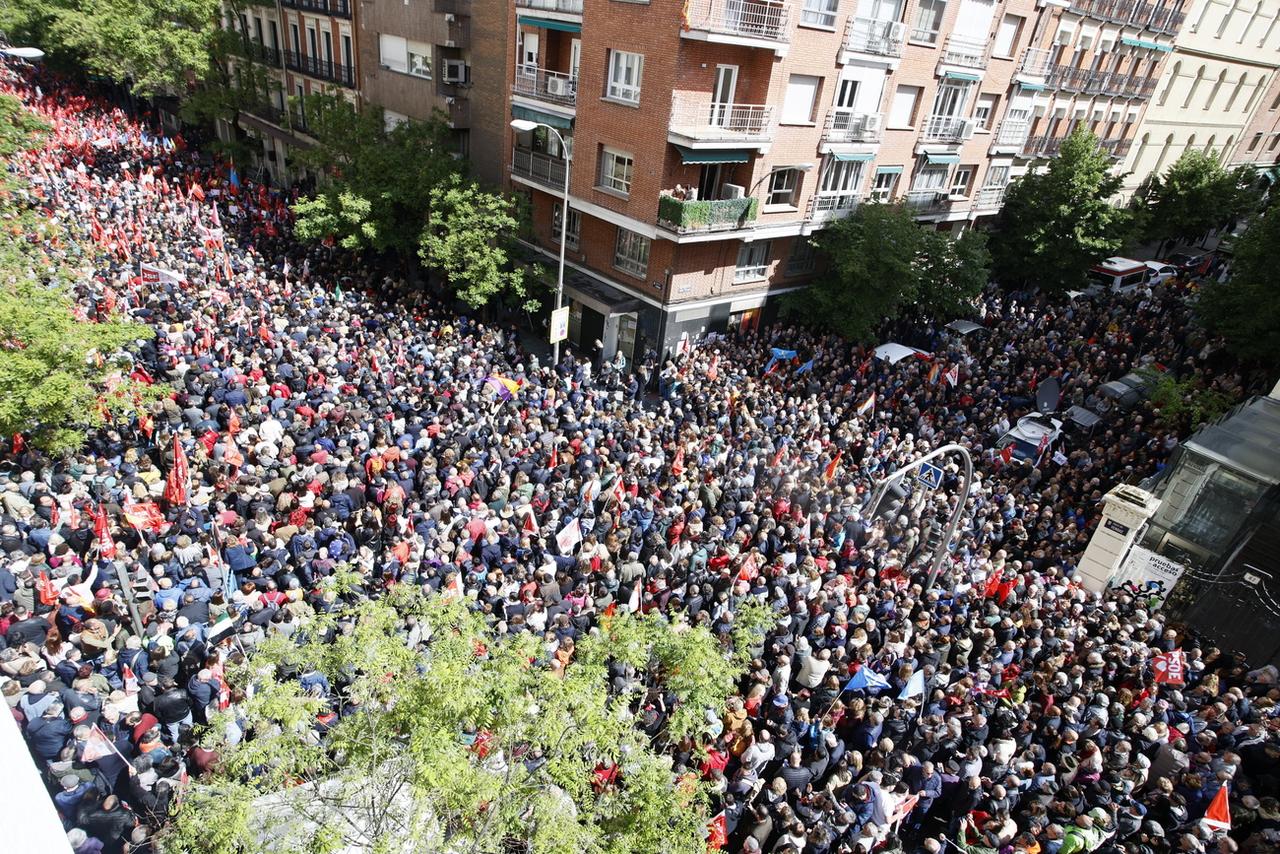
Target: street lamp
{"type": "Point", "coordinates": [525, 126]}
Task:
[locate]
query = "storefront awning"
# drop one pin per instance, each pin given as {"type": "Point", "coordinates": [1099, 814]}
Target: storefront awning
{"type": "Point", "coordinates": [693, 156]}
{"type": "Point", "coordinates": [518, 112]}
{"type": "Point", "coordinates": [1163, 48]}
{"type": "Point", "coordinates": [940, 159]}
{"type": "Point", "coordinates": [853, 158]}
{"type": "Point", "coordinates": [960, 75]}
{"type": "Point", "coordinates": [549, 24]}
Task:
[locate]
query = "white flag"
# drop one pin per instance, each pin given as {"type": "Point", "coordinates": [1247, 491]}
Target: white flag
{"type": "Point", "coordinates": [569, 537]}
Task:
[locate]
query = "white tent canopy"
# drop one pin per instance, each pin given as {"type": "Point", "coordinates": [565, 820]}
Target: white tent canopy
{"type": "Point", "coordinates": [23, 52]}
{"type": "Point", "coordinates": [895, 353]}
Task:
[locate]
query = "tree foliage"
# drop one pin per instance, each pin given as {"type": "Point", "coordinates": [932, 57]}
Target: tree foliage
{"type": "Point", "coordinates": [882, 263]}
{"type": "Point", "coordinates": [1195, 195]}
{"type": "Point", "coordinates": [458, 739]}
{"type": "Point", "coordinates": [1185, 404]}
{"type": "Point", "coordinates": [1056, 222]}
{"type": "Point", "coordinates": [1245, 309]}
{"type": "Point", "coordinates": [161, 45]}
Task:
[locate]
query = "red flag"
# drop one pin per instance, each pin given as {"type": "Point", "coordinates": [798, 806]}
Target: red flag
{"type": "Point", "coordinates": [19, 443]}
{"type": "Point", "coordinates": [777, 456]}
{"type": "Point", "coordinates": [1171, 667]}
{"type": "Point", "coordinates": [47, 589]}
{"type": "Point", "coordinates": [197, 192]}
{"type": "Point", "coordinates": [551, 459]}
{"type": "Point", "coordinates": [1218, 816]}
{"type": "Point", "coordinates": [96, 746]}
{"type": "Point", "coordinates": [231, 454]}
{"type": "Point", "coordinates": [830, 472]}
{"type": "Point", "coordinates": [529, 525]}
{"type": "Point", "coordinates": [129, 679]}
{"type": "Point", "coordinates": [233, 423]}
{"type": "Point", "coordinates": [102, 534]}
{"type": "Point", "coordinates": [177, 487]}
{"type": "Point", "coordinates": [145, 516]}
{"type": "Point", "coordinates": [146, 424]}
{"type": "Point", "coordinates": [677, 462]}
{"type": "Point", "coordinates": [717, 831]}
{"type": "Point", "coordinates": [714, 369]}
{"type": "Point", "coordinates": [1007, 454]}
{"type": "Point", "coordinates": [993, 586]}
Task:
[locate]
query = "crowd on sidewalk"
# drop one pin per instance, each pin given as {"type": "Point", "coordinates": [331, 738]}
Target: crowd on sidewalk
{"type": "Point", "coordinates": [331, 418]}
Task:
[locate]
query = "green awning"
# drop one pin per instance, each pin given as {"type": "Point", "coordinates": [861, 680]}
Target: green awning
{"type": "Point", "coordinates": [1031, 87]}
{"type": "Point", "coordinates": [940, 159]}
{"type": "Point", "coordinates": [1163, 48]}
{"type": "Point", "coordinates": [960, 75]}
{"type": "Point", "coordinates": [518, 112]}
{"type": "Point", "coordinates": [692, 156]}
{"type": "Point", "coordinates": [853, 158]}
{"type": "Point", "coordinates": [549, 24]}
{"type": "Point", "coordinates": [888, 170]}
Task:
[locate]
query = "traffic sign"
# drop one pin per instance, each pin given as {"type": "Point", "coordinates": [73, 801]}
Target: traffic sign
{"type": "Point", "coordinates": [930, 475]}
{"type": "Point", "coordinates": [559, 324]}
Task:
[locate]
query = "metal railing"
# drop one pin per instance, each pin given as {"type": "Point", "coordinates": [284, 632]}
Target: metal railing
{"type": "Point", "coordinates": [334, 72]}
{"type": "Point", "coordinates": [758, 19]}
{"type": "Point", "coordinates": [965, 52]}
{"type": "Point", "coordinates": [552, 86]}
{"type": "Point", "coordinates": [927, 200]}
{"type": "Point", "coordinates": [337, 8]}
{"type": "Point", "coordinates": [292, 118]}
{"type": "Point", "coordinates": [869, 35]}
{"type": "Point", "coordinates": [833, 205]}
{"type": "Point", "coordinates": [1116, 147]}
{"type": "Point", "coordinates": [1042, 145]}
{"type": "Point", "coordinates": [988, 199]}
{"type": "Point", "coordinates": [258, 52]}
{"type": "Point", "coordinates": [572, 7]}
{"type": "Point", "coordinates": [539, 167]}
{"type": "Point", "coordinates": [940, 128]}
{"type": "Point", "coordinates": [1134, 12]}
{"type": "Point", "coordinates": [1013, 132]}
{"type": "Point", "coordinates": [689, 215]}
{"type": "Point", "coordinates": [845, 125]}
{"type": "Point", "coordinates": [695, 115]}
{"type": "Point", "coordinates": [1035, 62]}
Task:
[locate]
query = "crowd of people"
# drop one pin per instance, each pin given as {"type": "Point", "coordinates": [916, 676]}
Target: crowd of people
{"type": "Point", "coordinates": [331, 418]}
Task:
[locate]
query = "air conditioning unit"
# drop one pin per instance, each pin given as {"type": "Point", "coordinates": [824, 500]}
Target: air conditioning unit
{"type": "Point", "coordinates": [455, 71]}
{"type": "Point", "coordinates": [897, 31]}
{"type": "Point", "coordinates": [450, 17]}
{"type": "Point", "coordinates": [732, 191]}
{"type": "Point", "coordinates": [967, 127]}
{"type": "Point", "coordinates": [558, 86]}
{"type": "Point", "coordinates": [871, 123]}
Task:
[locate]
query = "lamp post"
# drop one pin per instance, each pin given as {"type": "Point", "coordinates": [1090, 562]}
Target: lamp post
{"type": "Point", "coordinates": [524, 126]}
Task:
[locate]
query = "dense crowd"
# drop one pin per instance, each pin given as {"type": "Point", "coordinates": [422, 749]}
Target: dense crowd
{"type": "Point", "coordinates": [331, 418]}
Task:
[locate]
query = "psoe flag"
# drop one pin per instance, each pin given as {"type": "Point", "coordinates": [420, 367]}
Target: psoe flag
{"type": "Point", "coordinates": [153, 275]}
{"type": "Point", "coordinates": [569, 537]}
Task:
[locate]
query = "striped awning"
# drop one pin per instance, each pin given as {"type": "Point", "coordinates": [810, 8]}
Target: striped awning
{"type": "Point", "coordinates": [549, 24]}
{"type": "Point", "coordinates": [692, 156]}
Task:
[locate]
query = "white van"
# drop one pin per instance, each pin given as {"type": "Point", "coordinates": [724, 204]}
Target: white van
{"type": "Point", "coordinates": [1118, 275]}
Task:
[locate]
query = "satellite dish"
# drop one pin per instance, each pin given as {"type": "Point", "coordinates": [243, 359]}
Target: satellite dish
{"type": "Point", "coordinates": [30, 53]}
{"type": "Point", "coordinates": [1047, 395]}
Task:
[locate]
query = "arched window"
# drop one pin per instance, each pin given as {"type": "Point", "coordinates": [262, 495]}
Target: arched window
{"type": "Point", "coordinates": [1226, 149]}
{"type": "Point", "coordinates": [1208, 146]}
{"type": "Point", "coordinates": [1195, 84]}
{"type": "Point", "coordinates": [1168, 87]}
{"type": "Point", "coordinates": [1164, 152]}
{"type": "Point", "coordinates": [1226, 19]}
{"type": "Point", "coordinates": [1257, 90]}
{"type": "Point", "coordinates": [1217, 86]}
{"type": "Point", "coordinates": [1235, 93]}
{"type": "Point", "coordinates": [1142, 149]}
{"type": "Point", "coordinates": [1191, 143]}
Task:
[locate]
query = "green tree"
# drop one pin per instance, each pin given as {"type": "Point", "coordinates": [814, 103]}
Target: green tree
{"type": "Point", "coordinates": [1195, 195]}
{"type": "Point", "coordinates": [162, 46]}
{"type": "Point", "coordinates": [872, 271]}
{"type": "Point", "coordinates": [1245, 309]}
{"type": "Point", "coordinates": [1056, 222]}
{"type": "Point", "coordinates": [433, 756]}
{"type": "Point", "coordinates": [1187, 403]}
{"type": "Point", "coordinates": [468, 240]}
{"type": "Point", "coordinates": [953, 273]}
{"type": "Point", "coordinates": [377, 183]}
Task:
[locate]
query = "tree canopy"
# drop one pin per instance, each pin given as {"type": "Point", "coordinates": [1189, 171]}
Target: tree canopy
{"type": "Point", "coordinates": [1196, 194]}
{"type": "Point", "coordinates": [1058, 221]}
{"type": "Point", "coordinates": [1245, 309]}
{"type": "Point", "coordinates": [456, 738]}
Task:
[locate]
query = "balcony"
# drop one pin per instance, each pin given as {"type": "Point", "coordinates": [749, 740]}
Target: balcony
{"type": "Point", "coordinates": [1131, 12]}
{"type": "Point", "coordinates": [927, 201]}
{"type": "Point", "coordinates": [874, 37]}
{"type": "Point", "coordinates": [749, 23]}
{"type": "Point", "coordinates": [337, 8]}
{"type": "Point", "coordinates": [259, 53]}
{"type": "Point", "coordinates": [947, 129]}
{"type": "Point", "coordinates": [334, 72]}
{"type": "Point", "coordinates": [539, 168]}
{"type": "Point", "coordinates": [1117, 148]}
{"type": "Point", "coordinates": [567, 7]}
{"type": "Point", "coordinates": [824, 206]}
{"type": "Point", "coordinates": [1068, 79]}
{"type": "Point", "coordinates": [287, 119]}
{"type": "Point", "coordinates": [988, 199]}
{"type": "Point", "coordinates": [552, 87]}
{"type": "Point", "coordinates": [1035, 63]}
{"type": "Point", "coordinates": [685, 216]}
{"type": "Point", "coordinates": [964, 52]}
{"type": "Point", "coordinates": [1043, 145]}
{"type": "Point", "coordinates": [845, 125]}
{"type": "Point", "coordinates": [695, 118]}
{"type": "Point", "coordinates": [1012, 134]}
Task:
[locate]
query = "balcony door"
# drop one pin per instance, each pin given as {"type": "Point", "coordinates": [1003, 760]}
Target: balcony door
{"type": "Point", "coordinates": [722, 95]}
{"type": "Point", "coordinates": [950, 100]}
{"type": "Point", "coordinates": [847, 95]}
{"type": "Point", "coordinates": [880, 10]}
{"type": "Point", "coordinates": [575, 58]}
{"type": "Point", "coordinates": [710, 180]}
{"type": "Point", "coordinates": [529, 52]}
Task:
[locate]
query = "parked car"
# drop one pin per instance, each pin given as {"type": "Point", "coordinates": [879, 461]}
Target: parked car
{"type": "Point", "coordinates": [1027, 435]}
{"type": "Point", "coordinates": [1191, 264]}
{"type": "Point", "coordinates": [1162, 271]}
{"type": "Point", "coordinates": [1080, 422]}
{"type": "Point", "coordinates": [1122, 394]}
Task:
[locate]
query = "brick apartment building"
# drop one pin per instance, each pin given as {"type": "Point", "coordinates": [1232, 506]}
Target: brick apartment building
{"type": "Point", "coordinates": [1259, 146]}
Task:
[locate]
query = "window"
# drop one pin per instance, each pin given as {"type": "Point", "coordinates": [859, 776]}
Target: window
{"type": "Point", "coordinates": [1173, 80]}
{"type": "Point", "coordinates": [803, 258]}
{"type": "Point", "coordinates": [1253, 143]}
{"type": "Point", "coordinates": [1007, 35]}
{"type": "Point", "coordinates": [257, 29]}
{"type": "Point", "coordinates": [1235, 93]}
{"type": "Point", "coordinates": [902, 113]}
{"type": "Point", "coordinates": [615, 170]}
{"type": "Point", "coordinates": [928, 20]}
{"type": "Point", "coordinates": [293, 35]}
{"type": "Point", "coordinates": [985, 110]}
{"type": "Point", "coordinates": [885, 185]}
{"type": "Point", "coordinates": [960, 181]}
{"type": "Point", "coordinates": [393, 52]}
{"type": "Point", "coordinates": [819, 13]}
{"type": "Point", "coordinates": [575, 226]}
{"type": "Point", "coordinates": [753, 262]}
{"type": "Point", "coordinates": [419, 59]}
{"type": "Point", "coordinates": [1275, 139]}
{"type": "Point", "coordinates": [931, 179]}
{"type": "Point", "coordinates": [841, 179]}
{"type": "Point", "coordinates": [782, 187]}
{"type": "Point", "coordinates": [346, 50]}
{"type": "Point", "coordinates": [632, 253]}
{"type": "Point", "coordinates": [625, 70]}
{"type": "Point", "coordinates": [802, 94]}
{"type": "Point", "coordinates": [1195, 84]}
{"type": "Point", "coordinates": [997, 176]}
{"type": "Point", "coordinates": [275, 34]}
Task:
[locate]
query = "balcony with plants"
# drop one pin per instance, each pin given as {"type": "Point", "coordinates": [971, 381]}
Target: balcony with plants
{"type": "Point", "coordinates": [691, 216]}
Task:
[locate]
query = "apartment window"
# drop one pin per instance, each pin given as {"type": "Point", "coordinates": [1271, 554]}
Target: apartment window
{"type": "Point", "coordinates": [753, 262]}
{"type": "Point", "coordinates": [1253, 143]}
{"type": "Point", "coordinates": [931, 178]}
{"type": "Point", "coordinates": [803, 258]}
{"type": "Point", "coordinates": [1275, 139]}
{"type": "Point", "coordinates": [419, 59]}
{"type": "Point", "coordinates": [393, 52]}
{"type": "Point", "coordinates": [950, 99]}
{"type": "Point", "coordinates": [625, 70]}
{"type": "Point", "coordinates": [1007, 35]}
{"type": "Point", "coordinates": [984, 110]}
{"type": "Point", "coordinates": [257, 29]}
{"type": "Point", "coordinates": [783, 185]}
{"type": "Point", "coordinates": [997, 176]}
{"type": "Point", "coordinates": [819, 13]}
{"type": "Point", "coordinates": [928, 20]}
{"type": "Point", "coordinates": [802, 94]}
{"type": "Point", "coordinates": [615, 170]}
{"type": "Point", "coordinates": [631, 255]}
{"type": "Point", "coordinates": [1275, 103]}
{"type": "Point", "coordinates": [841, 177]}
{"type": "Point", "coordinates": [902, 113]}
{"type": "Point", "coordinates": [346, 50]}
{"type": "Point", "coordinates": [293, 37]}
{"type": "Point", "coordinates": [960, 181]}
{"type": "Point", "coordinates": [886, 184]}
{"type": "Point", "coordinates": [275, 34]}
{"type": "Point", "coordinates": [575, 226]}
